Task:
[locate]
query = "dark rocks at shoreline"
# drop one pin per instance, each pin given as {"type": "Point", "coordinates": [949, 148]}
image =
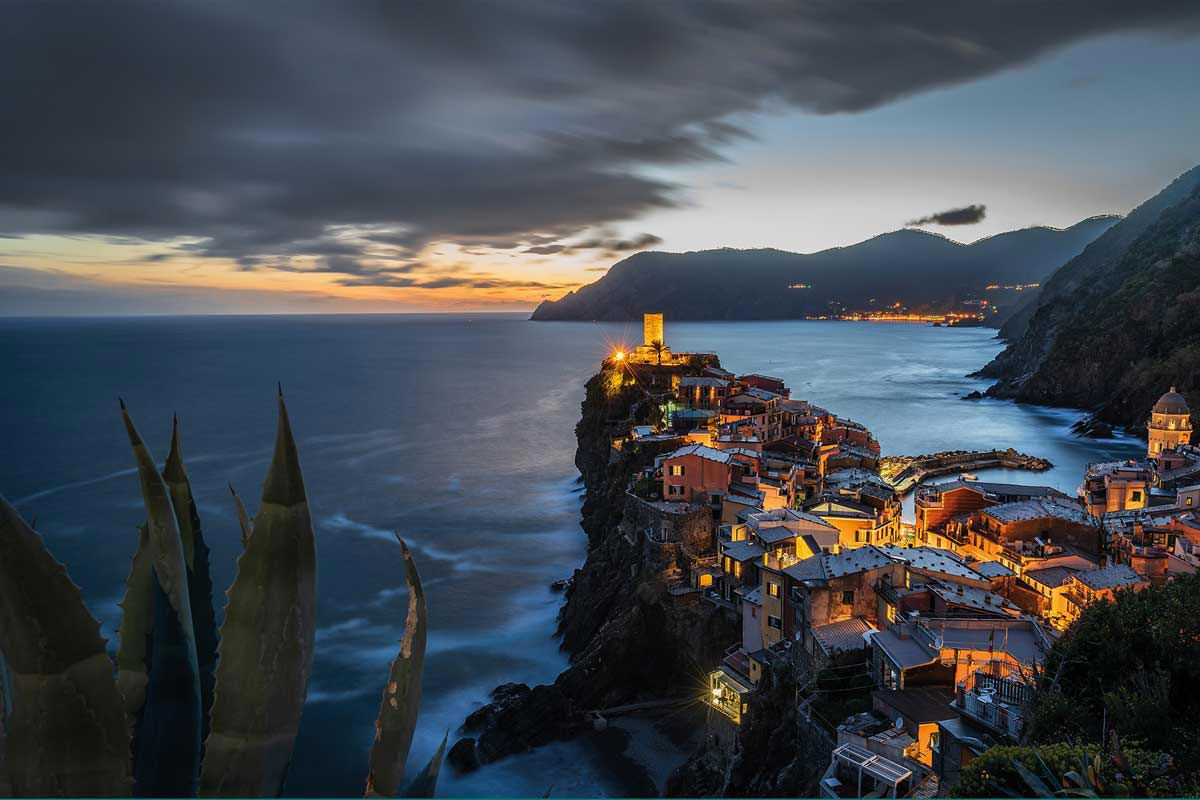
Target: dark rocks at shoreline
{"type": "Point", "coordinates": [976, 395]}
{"type": "Point", "coordinates": [1092, 428]}
{"type": "Point", "coordinates": [462, 755]}
{"type": "Point", "coordinates": [518, 718]}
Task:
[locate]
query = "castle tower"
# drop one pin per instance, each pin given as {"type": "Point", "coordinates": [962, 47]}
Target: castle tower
{"type": "Point", "coordinates": [1170, 423]}
{"type": "Point", "coordinates": [652, 329]}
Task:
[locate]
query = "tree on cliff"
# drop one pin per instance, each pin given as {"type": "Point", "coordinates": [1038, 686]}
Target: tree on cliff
{"type": "Point", "coordinates": [1131, 666]}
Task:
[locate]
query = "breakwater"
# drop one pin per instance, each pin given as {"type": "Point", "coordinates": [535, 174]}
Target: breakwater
{"type": "Point", "coordinates": [904, 473]}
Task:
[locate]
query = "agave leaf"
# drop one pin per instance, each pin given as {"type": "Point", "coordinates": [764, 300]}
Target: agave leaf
{"type": "Point", "coordinates": [66, 732]}
{"type": "Point", "coordinates": [1001, 791]}
{"type": "Point", "coordinates": [133, 671]}
{"type": "Point", "coordinates": [243, 517]}
{"type": "Point", "coordinates": [402, 696]}
{"type": "Point", "coordinates": [267, 639]}
{"type": "Point", "coordinates": [1037, 787]}
{"type": "Point", "coordinates": [1074, 778]}
{"type": "Point", "coordinates": [167, 742]}
{"type": "Point", "coordinates": [196, 554]}
{"type": "Point", "coordinates": [425, 784]}
{"type": "Point", "coordinates": [1047, 773]}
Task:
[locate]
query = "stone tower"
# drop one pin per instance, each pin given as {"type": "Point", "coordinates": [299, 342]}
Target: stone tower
{"type": "Point", "coordinates": [1170, 423]}
{"type": "Point", "coordinates": [652, 329]}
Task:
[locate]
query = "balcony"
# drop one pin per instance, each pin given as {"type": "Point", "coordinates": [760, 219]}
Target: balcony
{"type": "Point", "coordinates": [996, 696]}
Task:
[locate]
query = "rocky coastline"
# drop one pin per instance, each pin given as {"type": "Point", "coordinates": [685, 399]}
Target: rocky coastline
{"type": "Point", "coordinates": [629, 638]}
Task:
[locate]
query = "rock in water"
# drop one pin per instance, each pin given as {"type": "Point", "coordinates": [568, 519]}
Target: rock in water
{"type": "Point", "coordinates": [462, 755]}
{"type": "Point", "coordinates": [1092, 428]}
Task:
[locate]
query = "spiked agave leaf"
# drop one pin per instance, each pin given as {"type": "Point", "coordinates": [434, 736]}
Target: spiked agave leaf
{"type": "Point", "coordinates": [137, 616]}
{"type": "Point", "coordinates": [243, 517]}
{"type": "Point", "coordinates": [425, 784]}
{"type": "Point", "coordinates": [196, 555]}
{"type": "Point", "coordinates": [66, 732]}
{"type": "Point", "coordinates": [167, 743]}
{"type": "Point", "coordinates": [402, 696]}
{"type": "Point", "coordinates": [267, 640]}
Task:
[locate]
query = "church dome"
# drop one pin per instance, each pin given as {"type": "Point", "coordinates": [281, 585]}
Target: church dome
{"type": "Point", "coordinates": [1171, 403]}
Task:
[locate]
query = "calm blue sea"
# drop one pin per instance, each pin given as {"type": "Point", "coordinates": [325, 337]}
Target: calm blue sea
{"type": "Point", "coordinates": [458, 432]}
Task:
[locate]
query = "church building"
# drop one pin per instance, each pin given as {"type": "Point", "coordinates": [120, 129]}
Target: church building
{"type": "Point", "coordinates": [1170, 424]}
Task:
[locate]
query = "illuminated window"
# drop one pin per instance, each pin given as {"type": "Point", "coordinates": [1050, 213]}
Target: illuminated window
{"type": "Point", "coordinates": [1188, 501]}
{"type": "Point", "coordinates": [773, 589]}
{"type": "Point", "coordinates": [677, 469]}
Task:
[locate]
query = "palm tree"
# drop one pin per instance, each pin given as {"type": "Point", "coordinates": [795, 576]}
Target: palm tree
{"type": "Point", "coordinates": [658, 347]}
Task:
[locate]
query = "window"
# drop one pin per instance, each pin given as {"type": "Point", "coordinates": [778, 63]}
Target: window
{"type": "Point", "coordinates": [773, 589]}
{"type": "Point", "coordinates": [1188, 501]}
{"type": "Point", "coordinates": [848, 597]}
{"type": "Point", "coordinates": [677, 469]}
{"type": "Point", "coordinates": [774, 622]}
{"type": "Point", "coordinates": [1136, 497]}
{"type": "Point", "coordinates": [675, 490]}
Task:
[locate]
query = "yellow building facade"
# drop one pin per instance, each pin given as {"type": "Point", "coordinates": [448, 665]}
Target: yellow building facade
{"type": "Point", "coordinates": [1170, 424]}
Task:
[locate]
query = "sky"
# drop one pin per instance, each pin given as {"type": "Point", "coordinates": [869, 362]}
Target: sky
{"type": "Point", "coordinates": [231, 157]}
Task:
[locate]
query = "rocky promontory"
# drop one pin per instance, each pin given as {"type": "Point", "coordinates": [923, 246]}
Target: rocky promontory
{"type": "Point", "coordinates": [630, 638]}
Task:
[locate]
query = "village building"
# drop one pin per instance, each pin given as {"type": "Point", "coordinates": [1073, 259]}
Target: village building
{"type": "Point", "coordinates": [929, 651]}
{"type": "Point", "coordinates": [1116, 486]}
{"type": "Point", "coordinates": [1087, 586]}
{"type": "Point", "coordinates": [701, 392]}
{"type": "Point", "coordinates": [753, 553]}
{"type": "Point", "coordinates": [828, 589]}
{"type": "Point", "coordinates": [936, 504]}
{"type": "Point", "coordinates": [757, 408]}
{"type": "Point", "coordinates": [1025, 533]}
{"type": "Point", "coordinates": [1170, 425]}
{"type": "Point", "coordinates": [766, 383]}
{"type": "Point", "coordinates": [697, 473]}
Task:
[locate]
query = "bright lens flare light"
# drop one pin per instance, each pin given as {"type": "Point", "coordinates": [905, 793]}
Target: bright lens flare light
{"type": "Point", "coordinates": [619, 355]}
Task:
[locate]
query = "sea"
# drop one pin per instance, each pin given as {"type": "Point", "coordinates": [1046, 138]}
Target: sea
{"type": "Point", "coordinates": [457, 432]}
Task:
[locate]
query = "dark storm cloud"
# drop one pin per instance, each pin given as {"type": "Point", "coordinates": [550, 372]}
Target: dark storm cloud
{"type": "Point", "coordinates": [346, 135]}
{"type": "Point", "coordinates": [955, 216]}
{"type": "Point", "coordinates": [609, 245]}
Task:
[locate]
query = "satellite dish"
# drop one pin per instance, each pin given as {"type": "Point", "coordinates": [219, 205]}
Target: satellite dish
{"type": "Point", "coordinates": [899, 723]}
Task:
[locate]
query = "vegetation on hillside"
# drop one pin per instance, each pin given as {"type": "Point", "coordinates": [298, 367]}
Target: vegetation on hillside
{"type": "Point", "coordinates": [1119, 685]}
{"type": "Point", "coordinates": [1118, 325]}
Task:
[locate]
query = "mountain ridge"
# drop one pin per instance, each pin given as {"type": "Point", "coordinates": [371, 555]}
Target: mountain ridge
{"type": "Point", "coordinates": [1118, 324]}
{"type": "Point", "coordinates": [921, 269]}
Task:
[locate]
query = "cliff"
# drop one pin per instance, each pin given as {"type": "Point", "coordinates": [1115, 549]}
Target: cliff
{"type": "Point", "coordinates": [920, 269]}
{"type": "Point", "coordinates": [1118, 324]}
{"type": "Point", "coordinates": [630, 639]}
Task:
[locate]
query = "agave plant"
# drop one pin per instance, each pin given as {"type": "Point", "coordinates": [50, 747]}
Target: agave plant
{"type": "Point", "coordinates": [179, 713]}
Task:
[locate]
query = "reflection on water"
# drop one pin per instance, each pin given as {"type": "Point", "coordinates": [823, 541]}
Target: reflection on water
{"type": "Point", "coordinates": [457, 432]}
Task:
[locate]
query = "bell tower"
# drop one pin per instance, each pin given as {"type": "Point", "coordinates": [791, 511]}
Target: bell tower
{"type": "Point", "coordinates": [1170, 424]}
